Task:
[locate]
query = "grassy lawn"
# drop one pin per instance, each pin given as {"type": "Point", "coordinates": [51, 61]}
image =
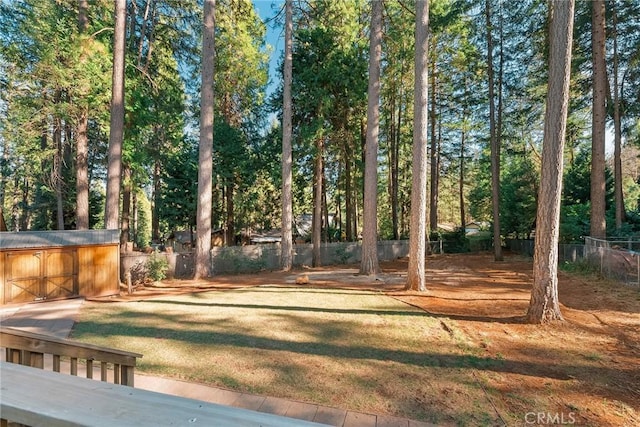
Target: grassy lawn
{"type": "Point", "coordinates": [357, 350]}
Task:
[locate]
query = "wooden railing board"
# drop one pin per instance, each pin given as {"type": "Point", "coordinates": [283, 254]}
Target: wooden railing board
{"type": "Point", "coordinates": [38, 350]}
{"type": "Point", "coordinates": [36, 397]}
{"type": "Point", "coordinates": [15, 338]}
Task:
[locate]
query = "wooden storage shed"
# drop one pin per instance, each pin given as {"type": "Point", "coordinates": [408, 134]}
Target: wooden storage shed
{"type": "Point", "coordinates": [41, 265]}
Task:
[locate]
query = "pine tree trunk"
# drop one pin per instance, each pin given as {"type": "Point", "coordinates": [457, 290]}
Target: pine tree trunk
{"type": "Point", "coordinates": [125, 226]}
{"type": "Point", "coordinates": [544, 305]}
{"type": "Point", "coordinates": [205, 151]}
{"type": "Point", "coordinates": [435, 170]}
{"type": "Point", "coordinates": [348, 198]}
{"type": "Point", "coordinates": [286, 243]}
{"type": "Point", "coordinates": [316, 232]}
{"type": "Point", "coordinates": [617, 125]}
{"type": "Point", "coordinates": [463, 220]}
{"type": "Point", "coordinates": [116, 129]}
{"type": "Point", "coordinates": [495, 147]}
{"type": "Point", "coordinates": [56, 174]}
{"type": "Point", "coordinates": [155, 218]}
{"type": "Point", "coordinates": [82, 174]}
{"type": "Point", "coordinates": [598, 179]}
{"type": "Point", "coordinates": [416, 279]}
{"type": "Point", "coordinates": [393, 164]}
{"type": "Point", "coordinates": [82, 151]}
{"type": "Point", "coordinates": [369, 264]}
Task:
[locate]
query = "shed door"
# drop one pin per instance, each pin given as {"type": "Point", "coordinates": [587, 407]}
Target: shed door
{"type": "Point", "coordinates": [60, 278]}
{"type": "Point", "coordinates": [40, 274]}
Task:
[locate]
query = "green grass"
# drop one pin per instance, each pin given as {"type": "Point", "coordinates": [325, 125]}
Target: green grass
{"type": "Point", "coordinates": [362, 351]}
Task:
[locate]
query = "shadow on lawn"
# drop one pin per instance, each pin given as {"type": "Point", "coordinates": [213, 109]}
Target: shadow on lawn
{"type": "Point", "coordinates": [420, 358]}
{"type": "Point", "coordinates": [417, 313]}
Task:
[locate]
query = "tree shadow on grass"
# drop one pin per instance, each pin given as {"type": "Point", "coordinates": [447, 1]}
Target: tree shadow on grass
{"type": "Point", "coordinates": [355, 352]}
{"type": "Point", "coordinates": [414, 313]}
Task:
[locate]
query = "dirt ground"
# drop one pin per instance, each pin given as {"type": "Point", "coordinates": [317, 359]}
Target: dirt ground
{"type": "Point", "coordinates": [583, 371]}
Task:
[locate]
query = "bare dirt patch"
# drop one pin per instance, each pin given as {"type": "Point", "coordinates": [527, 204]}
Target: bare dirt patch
{"type": "Point", "coordinates": [584, 371]}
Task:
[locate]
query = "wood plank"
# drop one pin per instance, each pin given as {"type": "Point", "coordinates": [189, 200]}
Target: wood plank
{"type": "Point", "coordinates": [22, 340]}
{"type": "Point", "coordinates": [89, 369]}
{"type": "Point", "coordinates": [103, 371]}
{"type": "Point", "coordinates": [36, 397]}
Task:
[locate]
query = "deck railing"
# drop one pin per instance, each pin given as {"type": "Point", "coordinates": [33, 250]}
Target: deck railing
{"type": "Point", "coordinates": [43, 351]}
{"type": "Point", "coordinates": [36, 397]}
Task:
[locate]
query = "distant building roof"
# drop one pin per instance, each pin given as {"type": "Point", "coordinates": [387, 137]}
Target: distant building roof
{"type": "Point", "coordinates": [58, 238]}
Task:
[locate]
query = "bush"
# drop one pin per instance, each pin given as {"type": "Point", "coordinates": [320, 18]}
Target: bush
{"type": "Point", "coordinates": [157, 267]}
{"type": "Point", "coordinates": [453, 241]}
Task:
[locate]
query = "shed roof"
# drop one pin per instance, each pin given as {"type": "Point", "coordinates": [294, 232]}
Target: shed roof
{"type": "Point", "coordinates": [43, 239]}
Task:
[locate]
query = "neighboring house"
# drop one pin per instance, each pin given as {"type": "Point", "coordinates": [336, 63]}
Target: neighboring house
{"type": "Point", "coordinates": [474, 228]}
{"type": "Point", "coordinates": [302, 224]}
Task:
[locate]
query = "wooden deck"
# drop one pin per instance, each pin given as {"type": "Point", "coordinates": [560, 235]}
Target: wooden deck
{"type": "Point", "coordinates": [41, 398]}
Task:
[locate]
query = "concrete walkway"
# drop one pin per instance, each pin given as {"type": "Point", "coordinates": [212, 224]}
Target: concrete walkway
{"type": "Point", "coordinates": [58, 317]}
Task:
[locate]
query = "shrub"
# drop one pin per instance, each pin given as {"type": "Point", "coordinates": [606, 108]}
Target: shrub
{"type": "Point", "coordinates": [157, 266]}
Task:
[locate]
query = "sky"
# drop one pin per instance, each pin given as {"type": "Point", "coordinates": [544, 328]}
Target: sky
{"type": "Point", "coordinates": [267, 10]}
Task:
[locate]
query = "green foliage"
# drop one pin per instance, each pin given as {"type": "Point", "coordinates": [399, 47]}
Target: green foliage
{"type": "Point", "coordinates": [519, 197]}
{"type": "Point", "coordinates": [453, 241]}
{"type": "Point", "coordinates": [576, 185]}
{"type": "Point", "coordinates": [574, 222]}
{"type": "Point", "coordinates": [480, 192]}
{"type": "Point", "coordinates": [51, 74]}
{"type": "Point", "coordinates": [576, 208]}
{"type": "Point", "coordinates": [482, 241]}
{"type": "Point", "coordinates": [156, 266]}
{"type": "Point", "coordinates": [143, 225]}
{"type": "Point", "coordinates": [177, 200]}
{"type": "Point", "coordinates": [580, 267]}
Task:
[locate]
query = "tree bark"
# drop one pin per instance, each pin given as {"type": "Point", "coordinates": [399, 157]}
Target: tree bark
{"type": "Point", "coordinates": [434, 154]}
{"type": "Point", "coordinates": [82, 150]}
{"type": "Point", "coordinates": [116, 128]}
{"type": "Point", "coordinates": [544, 305]}
{"type": "Point", "coordinates": [617, 125]}
{"type": "Point", "coordinates": [286, 243]}
{"type": "Point", "coordinates": [416, 280]}
{"type": "Point", "coordinates": [230, 219]}
{"type": "Point", "coordinates": [598, 179]}
{"type": "Point", "coordinates": [393, 163]}
{"type": "Point", "coordinates": [348, 197]}
{"type": "Point", "coordinates": [316, 231]}
{"type": "Point", "coordinates": [155, 217]}
{"type": "Point", "coordinates": [3, 224]}
{"type": "Point", "coordinates": [125, 227]}
{"type": "Point", "coordinates": [205, 151]}
{"type": "Point", "coordinates": [463, 220]}
{"type": "Point", "coordinates": [495, 147]}
{"type": "Point", "coordinates": [56, 172]}
{"type": "Point", "coordinates": [369, 264]}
